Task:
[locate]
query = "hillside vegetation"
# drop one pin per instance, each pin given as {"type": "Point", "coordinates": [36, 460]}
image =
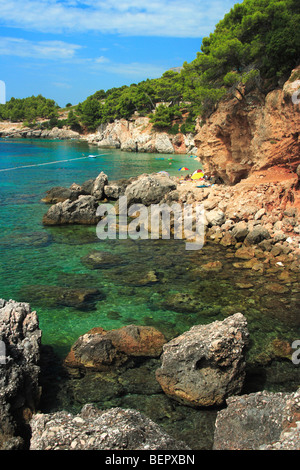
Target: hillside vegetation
{"type": "Point", "coordinates": [255, 45]}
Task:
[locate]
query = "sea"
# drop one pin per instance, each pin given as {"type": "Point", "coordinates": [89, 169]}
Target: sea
{"type": "Point", "coordinates": [148, 282]}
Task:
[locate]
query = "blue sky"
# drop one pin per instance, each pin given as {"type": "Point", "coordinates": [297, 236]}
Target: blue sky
{"type": "Point", "coordinates": [68, 49]}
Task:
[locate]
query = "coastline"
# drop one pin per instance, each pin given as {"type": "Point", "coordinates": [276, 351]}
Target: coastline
{"type": "Point", "coordinates": [134, 135]}
{"type": "Point", "coordinates": [226, 207]}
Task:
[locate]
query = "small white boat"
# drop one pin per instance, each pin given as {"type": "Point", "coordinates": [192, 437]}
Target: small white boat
{"type": "Point", "coordinates": [91, 156]}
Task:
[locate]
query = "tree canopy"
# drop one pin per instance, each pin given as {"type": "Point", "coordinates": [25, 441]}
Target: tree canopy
{"type": "Point", "coordinates": [28, 109]}
{"type": "Point", "coordinates": [256, 44]}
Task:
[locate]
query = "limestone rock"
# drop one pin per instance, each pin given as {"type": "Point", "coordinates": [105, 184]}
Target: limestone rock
{"type": "Point", "coordinates": [112, 191]}
{"type": "Point", "coordinates": [228, 239]}
{"type": "Point", "coordinates": [149, 189]}
{"type": "Point", "coordinates": [163, 143]}
{"type": "Point", "coordinates": [98, 187]}
{"type": "Point", "coordinates": [19, 371]}
{"type": "Point", "coordinates": [81, 211]}
{"type": "Point", "coordinates": [240, 231]}
{"type": "Point", "coordinates": [215, 217]}
{"type": "Point", "coordinates": [101, 350]}
{"type": "Point", "coordinates": [102, 259]}
{"type": "Point", "coordinates": [94, 429]}
{"type": "Point", "coordinates": [60, 194]}
{"type": "Point", "coordinates": [259, 421]}
{"type": "Point", "coordinates": [52, 296]}
{"type": "Point", "coordinates": [245, 252]}
{"type": "Point", "coordinates": [257, 235]}
{"type": "Point", "coordinates": [240, 138]}
{"type": "Point", "coordinates": [206, 364]}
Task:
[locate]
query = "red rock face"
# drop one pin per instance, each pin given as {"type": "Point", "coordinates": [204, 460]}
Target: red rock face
{"type": "Point", "coordinates": [241, 137]}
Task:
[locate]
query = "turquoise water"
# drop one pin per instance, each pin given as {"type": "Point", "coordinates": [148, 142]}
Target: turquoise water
{"type": "Point", "coordinates": [147, 282]}
{"type": "Point", "coordinates": [33, 255]}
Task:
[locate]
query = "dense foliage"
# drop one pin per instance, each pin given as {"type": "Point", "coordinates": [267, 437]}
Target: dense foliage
{"type": "Point", "coordinates": [29, 109]}
{"type": "Point", "coordinates": [256, 45]}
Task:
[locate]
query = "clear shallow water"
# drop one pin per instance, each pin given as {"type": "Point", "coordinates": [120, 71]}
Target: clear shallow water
{"type": "Point", "coordinates": [179, 293]}
{"type": "Point", "coordinates": [35, 255]}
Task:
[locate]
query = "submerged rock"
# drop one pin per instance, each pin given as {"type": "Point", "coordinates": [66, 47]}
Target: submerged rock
{"type": "Point", "coordinates": [206, 364]}
{"type": "Point", "coordinates": [27, 240]}
{"type": "Point", "coordinates": [81, 298]}
{"type": "Point", "coordinates": [93, 429]}
{"type": "Point", "coordinates": [102, 259]}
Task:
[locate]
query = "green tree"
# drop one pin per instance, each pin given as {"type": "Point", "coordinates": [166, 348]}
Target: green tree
{"type": "Point", "coordinates": [73, 122]}
{"type": "Point", "coordinates": [90, 113]}
{"type": "Point", "coordinates": [164, 116]}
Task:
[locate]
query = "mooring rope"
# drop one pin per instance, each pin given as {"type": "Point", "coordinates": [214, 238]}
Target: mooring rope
{"type": "Point", "coordinates": [48, 163]}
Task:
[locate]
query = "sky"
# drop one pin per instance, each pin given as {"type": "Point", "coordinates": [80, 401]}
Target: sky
{"type": "Point", "coordinates": [66, 50]}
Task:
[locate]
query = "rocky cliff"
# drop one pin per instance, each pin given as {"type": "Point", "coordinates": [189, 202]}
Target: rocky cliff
{"type": "Point", "coordinates": [19, 372]}
{"type": "Point", "coordinates": [253, 133]}
{"type": "Point", "coordinates": [137, 135]}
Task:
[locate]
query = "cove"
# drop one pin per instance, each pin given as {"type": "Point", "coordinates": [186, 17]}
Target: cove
{"type": "Point", "coordinates": [142, 282]}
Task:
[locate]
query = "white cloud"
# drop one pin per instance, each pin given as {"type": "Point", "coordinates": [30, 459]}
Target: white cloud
{"type": "Point", "coordinates": [66, 52]}
{"type": "Point", "coordinates": [172, 18]}
{"type": "Point", "coordinates": [101, 60]}
{"type": "Point", "coordinates": [63, 85]}
{"type": "Point", "coordinates": [135, 69]}
{"type": "Point", "coordinates": [37, 49]}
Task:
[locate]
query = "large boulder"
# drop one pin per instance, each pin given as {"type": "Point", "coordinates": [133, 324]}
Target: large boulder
{"type": "Point", "coordinates": [215, 217]}
{"type": "Point", "coordinates": [98, 187]}
{"type": "Point", "coordinates": [240, 230]}
{"type": "Point", "coordinates": [102, 350]}
{"type": "Point", "coordinates": [259, 421]}
{"type": "Point", "coordinates": [94, 429]}
{"type": "Point", "coordinates": [257, 235]}
{"type": "Point", "coordinates": [81, 211]}
{"type": "Point", "coordinates": [163, 143]}
{"type": "Point", "coordinates": [206, 364]}
{"type": "Point", "coordinates": [149, 189]}
{"type": "Point", "coordinates": [117, 188]}
{"type": "Point", "coordinates": [20, 339]}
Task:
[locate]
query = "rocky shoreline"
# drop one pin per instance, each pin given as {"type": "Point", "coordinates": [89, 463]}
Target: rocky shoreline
{"type": "Point", "coordinates": [134, 135]}
{"type": "Point", "coordinates": [239, 138]}
{"type": "Point", "coordinates": [258, 217]}
{"type": "Point", "coordinates": [256, 421]}
{"type": "Point", "coordinates": [202, 368]}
